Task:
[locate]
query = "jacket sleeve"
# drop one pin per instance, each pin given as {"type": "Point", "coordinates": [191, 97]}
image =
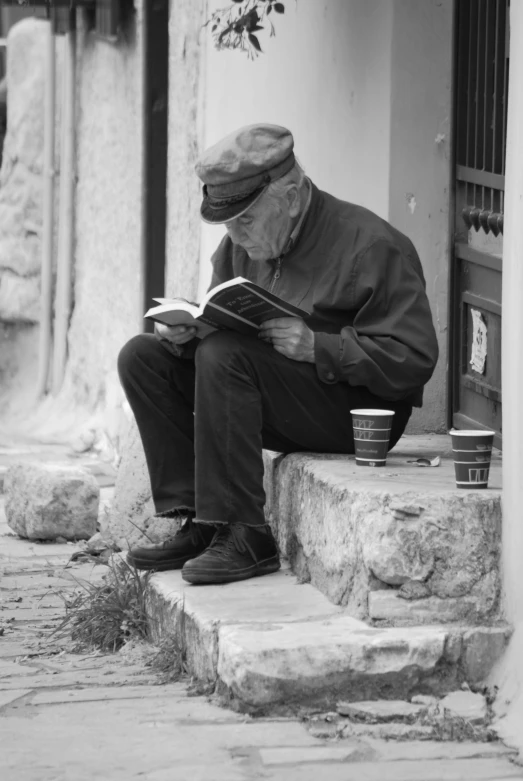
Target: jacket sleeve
{"type": "Point", "coordinates": [391, 346]}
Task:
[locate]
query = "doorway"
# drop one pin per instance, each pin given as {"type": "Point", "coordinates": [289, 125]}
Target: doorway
{"type": "Point", "coordinates": [480, 120]}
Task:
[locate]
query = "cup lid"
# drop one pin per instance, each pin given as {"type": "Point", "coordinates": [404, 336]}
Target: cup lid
{"type": "Point", "coordinates": [471, 433]}
{"type": "Point", "coordinates": [372, 412]}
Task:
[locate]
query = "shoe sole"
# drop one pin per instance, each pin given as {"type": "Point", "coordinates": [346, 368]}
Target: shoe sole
{"type": "Point", "coordinates": [157, 566]}
{"type": "Point", "coordinates": [209, 576]}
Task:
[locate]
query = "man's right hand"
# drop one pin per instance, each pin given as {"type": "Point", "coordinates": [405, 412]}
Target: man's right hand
{"type": "Point", "coordinates": [175, 334]}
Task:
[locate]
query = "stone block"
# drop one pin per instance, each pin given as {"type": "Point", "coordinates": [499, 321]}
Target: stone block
{"type": "Point", "coordinates": [482, 648]}
{"type": "Point", "coordinates": [347, 529]}
{"type": "Point", "coordinates": [274, 643]}
{"type": "Point", "coordinates": [44, 501]}
{"type": "Point", "coordinates": [131, 520]}
{"type": "Point", "coordinates": [386, 604]}
{"type": "Point", "coordinates": [394, 751]}
{"type": "Point", "coordinates": [388, 731]}
{"type": "Point", "coordinates": [198, 613]}
{"type": "Point", "coordinates": [6, 698]}
{"type": "Point", "coordinates": [467, 705]}
{"type": "Point", "coordinates": [316, 661]}
{"type": "Point", "coordinates": [377, 711]}
{"type": "Point", "coordinates": [303, 754]}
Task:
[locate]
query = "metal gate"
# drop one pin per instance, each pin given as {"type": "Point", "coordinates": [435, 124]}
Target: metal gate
{"type": "Point", "coordinates": [481, 89]}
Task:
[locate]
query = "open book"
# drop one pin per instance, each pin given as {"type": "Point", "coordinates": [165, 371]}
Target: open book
{"type": "Point", "coordinates": [237, 305]}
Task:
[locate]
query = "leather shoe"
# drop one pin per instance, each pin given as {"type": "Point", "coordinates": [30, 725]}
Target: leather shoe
{"type": "Point", "coordinates": [189, 541]}
{"type": "Point", "coordinates": [237, 552]}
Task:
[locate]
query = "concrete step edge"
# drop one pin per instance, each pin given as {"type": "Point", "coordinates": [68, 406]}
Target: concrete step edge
{"type": "Point", "coordinates": [268, 665]}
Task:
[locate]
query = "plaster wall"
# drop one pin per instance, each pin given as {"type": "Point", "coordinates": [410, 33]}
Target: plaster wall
{"type": "Point", "coordinates": [183, 192]}
{"type": "Point", "coordinates": [366, 89]}
{"type": "Point", "coordinates": [509, 675]}
{"type": "Point", "coordinates": [420, 165]}
{"type": "Point", "coordinates": [326, 76]}
{"type": "Point", "coordinates": [108, 226]}
{"type": "Point", "coordinates": [21, 187]}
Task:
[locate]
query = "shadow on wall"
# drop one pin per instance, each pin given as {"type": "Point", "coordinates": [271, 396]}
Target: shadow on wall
{"type": "Point", "coordinates": [3, 114]}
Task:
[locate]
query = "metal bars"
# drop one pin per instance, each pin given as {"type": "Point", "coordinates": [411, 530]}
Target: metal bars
{"type": "Point", "coordinates": [482, 88]}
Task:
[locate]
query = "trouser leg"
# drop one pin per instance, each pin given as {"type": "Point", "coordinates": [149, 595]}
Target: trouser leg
{"type": "Point", "coordinates": [248, 396]}
{"type": "Point", "coordinates": [160, 390]}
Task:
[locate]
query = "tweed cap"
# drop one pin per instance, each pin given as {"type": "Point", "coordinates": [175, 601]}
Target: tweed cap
{"type": "Point", "coordinates": [237, 170]}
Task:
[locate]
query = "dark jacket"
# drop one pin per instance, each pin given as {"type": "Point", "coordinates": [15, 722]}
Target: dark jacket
{"type": "Point", "coordinates": [362, 282]}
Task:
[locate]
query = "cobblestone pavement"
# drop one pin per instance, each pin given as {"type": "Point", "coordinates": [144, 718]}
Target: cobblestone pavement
{"type": "Point", "coordinates": [77, 717]}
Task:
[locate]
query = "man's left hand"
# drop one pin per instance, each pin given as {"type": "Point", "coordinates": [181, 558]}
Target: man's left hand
{"type": "Point", "coordinates": [289, 336]}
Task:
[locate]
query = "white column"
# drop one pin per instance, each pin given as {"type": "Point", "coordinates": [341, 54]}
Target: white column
{"type": "Point", "coordinates": [512, 332]}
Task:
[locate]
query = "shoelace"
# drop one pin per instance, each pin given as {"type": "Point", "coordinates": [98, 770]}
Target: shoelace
{"type": "Point", "coordinates": [228, 538]}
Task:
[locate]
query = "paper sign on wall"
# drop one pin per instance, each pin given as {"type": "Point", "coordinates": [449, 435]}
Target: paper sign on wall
{"type": "Point", "coordinates": [479, 342]}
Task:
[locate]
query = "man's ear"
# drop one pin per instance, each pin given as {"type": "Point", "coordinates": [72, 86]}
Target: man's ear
{"type": "Point", "coordinates": [293, 200]}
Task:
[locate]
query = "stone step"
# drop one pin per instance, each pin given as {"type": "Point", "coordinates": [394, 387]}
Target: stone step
{"type": "Point", "coordinates": [273, 644]}
{"type": "Point", "coordinates": [399, 545]}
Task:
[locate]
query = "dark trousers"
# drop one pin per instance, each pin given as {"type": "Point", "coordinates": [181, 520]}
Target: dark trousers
{"type": "Point", "coordinates": [204, 422]}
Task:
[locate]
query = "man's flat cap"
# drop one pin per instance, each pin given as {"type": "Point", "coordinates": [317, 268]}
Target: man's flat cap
{"type": "Point", "coordinates": [236, 171]}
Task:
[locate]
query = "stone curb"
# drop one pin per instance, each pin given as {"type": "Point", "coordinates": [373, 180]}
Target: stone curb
{"type": "Point", "coordinates": [272, 644]}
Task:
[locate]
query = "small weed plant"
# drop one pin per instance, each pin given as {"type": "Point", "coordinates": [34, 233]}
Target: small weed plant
{"type": "Point", "coordinates": [169, 659]}
{"type": "Point", "coordinates": [107, 614]}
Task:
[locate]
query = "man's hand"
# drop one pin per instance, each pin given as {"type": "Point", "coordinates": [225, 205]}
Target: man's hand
{"type": "Point", "coordinates": [290, 336]}
{"type": "Point", "coordinates": [175, 334]}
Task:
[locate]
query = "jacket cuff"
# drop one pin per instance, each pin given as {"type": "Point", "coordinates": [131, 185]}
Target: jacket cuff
{"type": "Point", "coordinates": [327, 357]}
{"type": "Point", "coordinates": [186, 350]}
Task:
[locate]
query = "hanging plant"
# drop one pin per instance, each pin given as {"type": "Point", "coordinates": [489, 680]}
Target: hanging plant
{"type": "Point", "coordinates": [237, 25]}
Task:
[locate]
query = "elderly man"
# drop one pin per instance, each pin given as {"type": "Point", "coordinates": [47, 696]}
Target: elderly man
{"type": "Point", "coordinates": [206, 408]}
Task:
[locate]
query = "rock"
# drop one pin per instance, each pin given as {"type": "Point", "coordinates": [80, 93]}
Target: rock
{"type": "Point", "coordinates": [324, 730]}
{"type": "Point", "coordinates": [377, 711]}
{"type": "Point", "coordinates": [397, 555]}
{"type": "Point", "coordinates": [467, 705]}
{"type": "Point", "coordinates": [402, 511]}
{"type": "Point", "coordinates": [482, 647]}
{"type": "Point", "coordinates": [96, 542]}
{"type": "Point", "coordinates": [45, 501]}
{"type": "Point", "coordinates": [453, 646]}
{"type": "Point", "coordinates": [387, 604]}
{"type": "Point", "coordinates": [427, 700]}
{"type": "Point", "coordinates": [414, 589]}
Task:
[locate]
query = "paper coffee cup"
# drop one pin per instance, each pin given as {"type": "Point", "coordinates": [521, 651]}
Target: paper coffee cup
{"type": "Point", "coordinates": [472, 452]}
{"type": "Point", "coordinates": [371, 429]}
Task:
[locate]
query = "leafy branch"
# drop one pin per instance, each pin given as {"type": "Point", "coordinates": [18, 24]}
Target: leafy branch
{"type": "Point", "coordinates": [236, 26]}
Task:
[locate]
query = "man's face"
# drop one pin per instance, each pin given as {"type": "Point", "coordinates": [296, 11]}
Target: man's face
{"type": "Point", "coordinates": [264, 229]}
